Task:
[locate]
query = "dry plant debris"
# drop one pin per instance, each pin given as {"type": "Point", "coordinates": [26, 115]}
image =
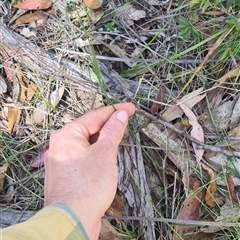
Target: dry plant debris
{"type": "Point", "coordinates": [190, 211]}
{"type": "Point", "coordinates": [33, 4]}
{"type": "Point", "coordinates": [177, 61]}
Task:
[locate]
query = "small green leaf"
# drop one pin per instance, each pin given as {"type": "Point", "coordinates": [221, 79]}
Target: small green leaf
{"type": "Point", "coordinates": [235, 20]}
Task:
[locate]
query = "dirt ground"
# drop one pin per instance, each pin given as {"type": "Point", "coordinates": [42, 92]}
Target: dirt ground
{"type": "Point", "coordinates": [178, 62]}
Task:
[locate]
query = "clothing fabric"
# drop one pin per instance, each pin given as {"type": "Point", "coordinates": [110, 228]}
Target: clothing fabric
{"type": "Point", "coordinates": [54, 222]}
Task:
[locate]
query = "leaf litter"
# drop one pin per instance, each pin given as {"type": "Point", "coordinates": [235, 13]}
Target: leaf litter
{"type": "Point", "coordinates": [36, 100]}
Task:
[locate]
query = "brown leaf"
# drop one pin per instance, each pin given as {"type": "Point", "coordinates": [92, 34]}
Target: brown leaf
{"type": "Point", "coordinates": [3, 170]}
{"type": "Point", "coordinates": [93, 4]}
{"type": "Point", "coordinates": [204, 236]}
{"type": "Point", "coordinates": [33, 4]}
{"type": "Point", "coordinates": [231, 74]}
{"type": "Point", "coordinates": [143, 125]}
{"type": "Point", "coordinates": [40, 114]}
{"type": "Point", "coordinates": [212, 187]}
{"type": "Point", "coordinates": [108, 232]}
{"type": "Point", "coordinates": [27, 88]}
{"type": "Point", "coordinates": [209, 97]}
{"type": "Point", "coordinates": [13, 114]}
{"type": "Point", "coordinates": [235, 131]}
{"type": "Point", "coordinates": [31, 90]}
{"type": "Point", "coordinates": [230, 185]}
{"type": "Point", "coordinates": [116, 208]}
{"type": "Point", "coordinates": [30, 17]}
{"type": "Point", "coordinates": [206, 34]}
{"type": "Point", "coordinates": [19, 74]}
{"type": "Point", "coordinates": [173, 112]}
{"type": "Point", "coordinates": [160, 98]}
{"type": "Point", "coordinates": [196, 132]}
{"type": "Point", "coordinates": [189, 211]}
{"type": "Point", "coordinates": [214, 13]}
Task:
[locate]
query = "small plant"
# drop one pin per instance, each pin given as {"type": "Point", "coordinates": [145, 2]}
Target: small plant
{"type": "Point", "coordinates": [123, 231]}
{"type": "Point", "coordinates": [109, 26]}
{"type": "Point", "coordinates": [234, 21]}
{"type": "Point", "coordinates": [188, 28]}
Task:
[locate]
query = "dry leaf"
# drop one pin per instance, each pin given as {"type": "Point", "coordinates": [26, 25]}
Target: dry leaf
{"type": "Point", "coordinates": [196, 132]}
{"type": "Point", "coordinates": [16, 15]}
{"type": "Point", "coordinates": [40, 114]}
{"type": "Point", "coordinates": [3, 170]}
{"type": "Point", "coordinates": [13, 115]}
{"type": "Point", "coordinates": [204, 236]}
{"type": "Point", "coordinates": [160, 98]}
{"type": "Point", "coordinates": [154, 2]}
{"type": "Point", "coordinates": [93, 4]}
{"type": "Point", "coordinates": [206, 34]}
{"type": "Point", "coordinates": [3, 85]}
{"type": "Point", "coordinates": [221, 116]}
{"type": "Point", "coordinates": [89, 100]}
{"type": "Point", "coordinates": [229, 213]}
{"type": "Point", "coordinates": [8, 70]}
{"type": "Point", "coordinates": [131, 14]}
{"type": "Point", "coordinates": [27, 88]}
{"type": "Point", "coordinates": [95, 16]}
{"type": "Point", "coordinates": [233, 73]}
{"type": "Point", "coordinates": [191, 99]}
{"type": "Point", "coordinates": [136, 52]}
{"type": "Point", "coordinates": [31, 90]}
{"type": "Point", "coordinates": [214, 13]}
{"type": "Point", "coordinates": [26, 32]}
{"type": "Point", "coordinates": [135, 14]}
{"type": "Point", "coordinates": [108, 232]}
{"type": "Point", "coordinates": [30, 17]}
{"type": "Point", "coordinates": [235, 132]}
{"type": "Point", "coordinates": [231, 189]}
{"type": "Point", "coordinates": [143, 125]}
{"type": "Point", "coordinates": [22, 87]}
{"type": "Point", "coordinates": [221, 161]}
{"type": "Point", "coordinates": [212, 187]}
{"type": "Point", "coordinates": [117, 51]}
{"type": "Point", "coordinates": [235, 118]}
{"type": "Point", "coordinates": [176, 151]}
{"type": "Point", "coordinates": [116, 208]}
{"type": "Point", "coordinates": [56, 96]}
{"type": "Point", "coordinates": [190, 211]}
{"type": "Point", "coordinates": [33, 4]}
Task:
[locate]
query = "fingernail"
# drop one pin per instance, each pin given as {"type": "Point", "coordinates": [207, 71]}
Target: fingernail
{"type": "Point", "coordinates": [122, 116]}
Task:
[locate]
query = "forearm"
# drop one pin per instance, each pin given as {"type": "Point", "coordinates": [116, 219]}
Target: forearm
{"type": "Point", "coordinates": [52, 222]}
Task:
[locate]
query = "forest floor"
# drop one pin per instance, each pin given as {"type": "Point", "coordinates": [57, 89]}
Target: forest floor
{"type": "Point", "coordinates": [177, 61]}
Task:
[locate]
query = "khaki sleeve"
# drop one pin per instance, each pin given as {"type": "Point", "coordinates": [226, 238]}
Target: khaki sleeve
{"type": "Point", "coordinates": [55, 222]}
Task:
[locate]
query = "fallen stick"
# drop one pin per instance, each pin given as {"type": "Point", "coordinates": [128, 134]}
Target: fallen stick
{"type": "Point", "coordinates": [11, 216]}
{"type": "Point", "coordinates": [23, 51]}
{"type": "Point", "coordinates": [13, 46]}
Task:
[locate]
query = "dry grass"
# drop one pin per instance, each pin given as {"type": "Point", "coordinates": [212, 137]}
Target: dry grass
{"type": "Point", "coordinates": [163, 48]}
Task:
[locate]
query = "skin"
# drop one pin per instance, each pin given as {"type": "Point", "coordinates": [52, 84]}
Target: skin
{"type": "Point", "coordinates": [81, 164]}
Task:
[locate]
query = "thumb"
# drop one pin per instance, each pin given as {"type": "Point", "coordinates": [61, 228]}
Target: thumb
{"type": "Point", "coordinates": [113, 130]}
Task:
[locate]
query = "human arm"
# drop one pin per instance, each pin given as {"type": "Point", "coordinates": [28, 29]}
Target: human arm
{"type": "Point", "coordinates": [81, 164]}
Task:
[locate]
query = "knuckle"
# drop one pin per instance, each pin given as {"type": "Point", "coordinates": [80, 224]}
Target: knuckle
{"type": "Point", "coordinates": [54, 135]}
{"type": "Point", "coordinates": [113, 130]}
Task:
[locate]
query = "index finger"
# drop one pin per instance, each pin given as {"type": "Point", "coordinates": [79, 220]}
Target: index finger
{"type": "Point", "coordinates": [92, 122]}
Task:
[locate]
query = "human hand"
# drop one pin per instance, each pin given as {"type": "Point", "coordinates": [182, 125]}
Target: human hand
{"type": "Point", "coordinates": [81, 164]}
